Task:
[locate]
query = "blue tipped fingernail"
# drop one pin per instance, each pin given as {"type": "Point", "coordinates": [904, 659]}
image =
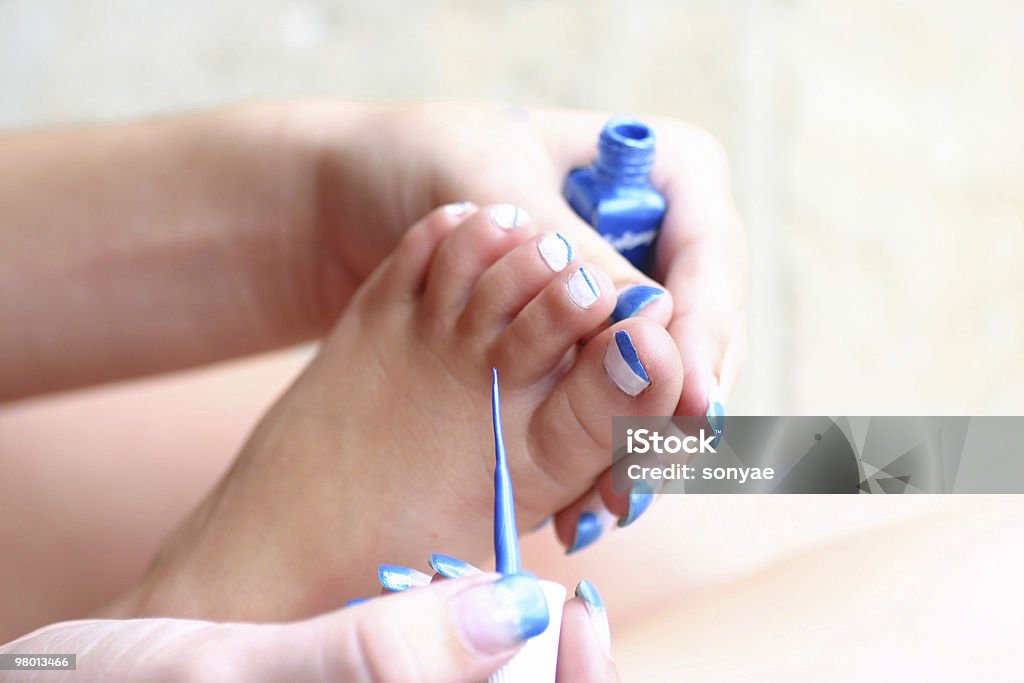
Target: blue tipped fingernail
{"type": "Point", "coordinates": [531, 606]}
{"type": "Point", "coordinates": [357, 601]}
{"type": "Point", "coordinates": [396, 578]}
{"type": "Point", "coordinates": [451, 567]}
{"type": "Point", "coordinates": [716, 414]}
{"type": "Point", "coordinates": [588, 530]}
{"type": "Point", "coordinates": [641, 495]}
{"type": "Point", "coordinates": [623, 365]}
{"type": "Point", "coordinates": [634, 299]}
{"type": "Point", "coordinates": [598, 613]}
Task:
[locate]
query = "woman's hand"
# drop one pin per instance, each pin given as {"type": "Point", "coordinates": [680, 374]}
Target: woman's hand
{"type": "Point", "coordinates": [448, 632]}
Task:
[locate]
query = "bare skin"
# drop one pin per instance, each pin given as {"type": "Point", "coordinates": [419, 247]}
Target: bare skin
{"type": "Point", "coordinates": [397, 403]}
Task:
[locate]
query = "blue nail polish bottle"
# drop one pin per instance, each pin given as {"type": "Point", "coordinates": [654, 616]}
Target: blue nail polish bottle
{"type": "Point", "coordinates": [614, 194]}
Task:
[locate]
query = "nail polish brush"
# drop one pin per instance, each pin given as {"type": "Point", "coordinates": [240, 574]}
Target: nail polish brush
{"type": "Point", "coordinates": [537, 661]}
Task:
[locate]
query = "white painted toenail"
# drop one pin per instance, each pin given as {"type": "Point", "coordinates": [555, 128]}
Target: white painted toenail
{"type": "Point", "coordinates": [582, 289]}
{"type": "Point", "coordinates": [623, 365]}
{"type": "Point", "coordinates": [459, 209]}
{"type": "Point", "coordinates": [508, 216]}
{"type": "Point", "coordinates": [556, 251]}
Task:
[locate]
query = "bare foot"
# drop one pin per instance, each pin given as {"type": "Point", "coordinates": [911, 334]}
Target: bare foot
{"type": "Point", "coordinates": [382, 450]}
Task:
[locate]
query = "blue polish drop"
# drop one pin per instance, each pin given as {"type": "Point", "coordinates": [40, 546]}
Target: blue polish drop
{"type": "Point", "coordinates": [450, 567]}
{"type": "Point", "coordinates": [588, 530]}
{"type": "Point", "coordinates": [631, 301]}
{"type": "Point", "coordinates": [357, 601]}
{"type": "Point", "coordinates": [506, 536]}
{"type": "Point", "coordinates": [628, 352]}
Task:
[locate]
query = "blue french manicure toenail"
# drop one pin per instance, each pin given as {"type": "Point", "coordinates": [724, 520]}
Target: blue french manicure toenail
{"type": "Point", "coordinates": [623, 365]}
{"type": "Point", "coordinates": [716, 414]}
{"type": "Point", "coordinates": [633, 299]}
{"type": "Point", "coordinates": [451, 567]}
{"type": "Point", "coordinates": [641, 495]}
{"type": "Point", "coordinates": [396, 578]}
{"type": "Point", "coordinates": [357, 601]}
{"type": "Point", "coordinates": [588, 530]}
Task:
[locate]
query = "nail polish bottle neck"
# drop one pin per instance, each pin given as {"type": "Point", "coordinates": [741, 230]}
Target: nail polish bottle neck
{"type": "Point", "coordinates": [625, 152]}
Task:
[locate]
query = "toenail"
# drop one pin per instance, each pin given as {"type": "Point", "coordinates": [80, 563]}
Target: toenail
{"type": "Point", "coordinates": [623, 365]}
{"type": "Point", "coordinates": [459, 209]}
{"type": "Point", "coordinates": [633, 299]}
{"type": "Point", "coordinates": [556, 250]}
{"type": "Point", "coordinates": [582, 289]}
{"type": "Point", "coordinates": [397, 578]}
{"type": "Point", "coordinates": [508, 216]}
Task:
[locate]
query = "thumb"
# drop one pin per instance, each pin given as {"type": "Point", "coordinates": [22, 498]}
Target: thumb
{"type": "Point", "coordinates": [447, 632]}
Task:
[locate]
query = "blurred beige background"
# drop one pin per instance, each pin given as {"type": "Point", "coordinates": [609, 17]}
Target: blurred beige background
{"type": "Point", "coordinates": [876, 146]}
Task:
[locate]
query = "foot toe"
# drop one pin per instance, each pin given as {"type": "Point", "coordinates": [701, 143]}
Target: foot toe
{"type": "Point", "coordinates": [468, 252]}
{"type": "Point", "coordinates": [576, 302]}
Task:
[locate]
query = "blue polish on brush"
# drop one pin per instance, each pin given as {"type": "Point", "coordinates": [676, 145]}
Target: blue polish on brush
{"type": "Point", "coordinates": [506, 537]}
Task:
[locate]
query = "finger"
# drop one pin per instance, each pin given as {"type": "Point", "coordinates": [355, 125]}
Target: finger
{"type": "Point", "coordinates": [706, 279]}
{"type": "Point", "coordinates": [602, 510]}
{"type": "Point", "coordinates": [450, 631]}
{"type": "Point", "coordinates": [584, 651]}
{"type": "Point", "coordinates": [702, 258]}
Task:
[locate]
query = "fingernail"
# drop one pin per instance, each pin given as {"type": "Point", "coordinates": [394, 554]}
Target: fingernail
{"type": "Point", "coordinates": [593, 522]}
{"type": "Point", "coordinates": [459, 209]}
{"type": "Point", "coordinates": [641, 495]}
{"type": "Point", "coordinates": [451, 567]}
{"type": "Point", "coordinates": [633, 299]}
{"type": "Point", "coordinates": [357, 601]}
{"type": "Point", "coordinates": [397, 578]}
{"type": "Point", "coordinates": [543, 523]}
{"type": "Point", "coordinates": [508, 216]}
{"type": "Point", "coordinates": [716, 413]}
{"type": "Point", "coordinates": [556, 250]}
{"type": "Point", "coordinates": [582, 289]}
{"type": "Point", "coordinates": [498, 616]}
{"type": "Point", "coordinates": [623, 365]}
{"type": "Point", "coordinates": [598, 613]}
